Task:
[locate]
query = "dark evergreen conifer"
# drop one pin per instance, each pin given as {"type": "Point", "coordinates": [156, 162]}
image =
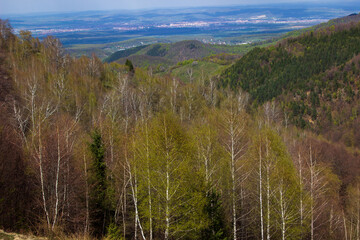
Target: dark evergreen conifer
{"type": "Point", "coordinates": [129, 64]}
{"type": "Point", "coordinates": [98, 187]}
{"type": "Point", "coordinates": [216, 230]}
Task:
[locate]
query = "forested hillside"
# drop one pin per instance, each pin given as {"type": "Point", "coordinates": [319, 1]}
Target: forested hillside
{"type": "Point", "coordinates": [168, 54]}
{"type": "Point", "coordinates": [315, 77]}
{"type": "Point", "coordinates": [94, 150]}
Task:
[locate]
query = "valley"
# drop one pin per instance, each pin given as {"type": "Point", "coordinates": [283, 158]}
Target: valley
{"type": "Point", "coordinates": [105, 32]}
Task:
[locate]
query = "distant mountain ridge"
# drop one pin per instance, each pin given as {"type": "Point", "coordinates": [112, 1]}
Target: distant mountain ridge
{"type": "Point", "coordinates": [170, 53]}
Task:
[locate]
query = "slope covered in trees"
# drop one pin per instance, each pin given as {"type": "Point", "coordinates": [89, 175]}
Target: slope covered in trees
{"type": "Point", "coordinates": [123, 54]}
{"type": "Point", "coordinates": [94, 149]}
{"type": "Point", "coordinates": [169, 54]}
{"type": "Point", "coordinates": [352, 18]}
{"type": "Point", "coordinates": [315, 77]}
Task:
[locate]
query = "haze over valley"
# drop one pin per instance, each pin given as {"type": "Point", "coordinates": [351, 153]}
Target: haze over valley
{"type": "Point", "coordinates": [105, 32]}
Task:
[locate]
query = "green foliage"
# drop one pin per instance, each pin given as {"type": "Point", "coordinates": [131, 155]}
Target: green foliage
{"type": "Point", "coordinates": [216, 229]}
{"type": "Point", "coordinates": [222, 58]}
{"type": "Point", "coordinates": [99, 202]}
{"type": "Point", "coordinates": [301, 71]}
{"type": "Point", "coordinates": [157, 51]}
{"type": "Point", "coordinates": [124, 53]}
{"type": "Point", "coordinates": [171, 53]}
{"type": "Point", "coordinates": [164, 160]}
{"type": "Point", "coordinates": [113, 232]}
{"type": "Point", "coordinates": [130, 66]}
{"type": "Point", "coordinates": [185, 62]}
{"type": "Point", "coordinates": [278, 174]}
{"type": "Point", "coordinates": [110, 74]}
{"type": "Point", "coordinates": [202, 71]}
{"type": "Point", "coordinates": [267, 72]}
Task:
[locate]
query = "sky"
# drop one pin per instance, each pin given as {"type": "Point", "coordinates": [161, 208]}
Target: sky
{"type": "Point", "coordinates": [36, 6]}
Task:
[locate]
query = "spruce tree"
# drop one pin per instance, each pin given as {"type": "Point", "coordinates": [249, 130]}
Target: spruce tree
{"type": "Point", "coordinates": [98, 186]}
{"type": "Point", "coordinates": [129, 64]}
{"type": "Point", "coordinates": [216, 229]}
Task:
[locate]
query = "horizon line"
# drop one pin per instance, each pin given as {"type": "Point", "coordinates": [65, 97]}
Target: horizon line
{"type": "Point", "coordinates": [317, 3]}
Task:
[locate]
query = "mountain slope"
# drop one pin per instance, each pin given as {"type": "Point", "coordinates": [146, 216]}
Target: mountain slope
{"type": "Point", "coordinates": [315, 76]}
{"type": "Point", "coordinates": [122, 54]}
{"type": "Point", "coordinates": [172, 53]}
{"type": "Point", "coordinates": [352, 18]}
{"type": "Point", "coordinates": [267, 72]}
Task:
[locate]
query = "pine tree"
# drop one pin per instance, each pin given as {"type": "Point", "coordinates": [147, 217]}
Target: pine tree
{"type": "Point", "coordinates": [99, 210]}
{"type": "Point", "coordinates": [216, 229]}
{"type": "Point", "coordinates": [130, 66]}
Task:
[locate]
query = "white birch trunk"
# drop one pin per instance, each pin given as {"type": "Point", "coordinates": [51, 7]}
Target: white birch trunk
{"type": "Point", "coordinates": [345, 228]}
{"type": "Point", "coordinates": [167, 195]}
{"type": "Point", "coordinates": [267, 191]}
{"type": "Point", "coordinates": [167, 214]}
{"type": "Point", "coordinates": [232, 166]}
{"type": "Point", "coordinates": [133, 182]}
{"type": "Point", "coordinates": [282, 209]}
{"type": "Point", "coordinates": [260, 195]}
{"type": "Point", "coordinates": [312, 195]}
{"type": "Point", "coordinates": [331, 218]}
{"type": "Point", "coordinates": [57, 181]}
{"type": "Point", "coordinates": [301, 193]}
{"type": "Point", "coordinates": [133, 188]}
{"type": "Point", "coordinates": [149, 182]}
{"type": "Point", "coordinates": [124, 201]}
{"type": "Point", "coordinates": [42, 176]}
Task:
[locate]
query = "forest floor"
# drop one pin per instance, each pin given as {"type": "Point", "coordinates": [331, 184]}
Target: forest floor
{"type": "Point", "coordinates": [16, 236]}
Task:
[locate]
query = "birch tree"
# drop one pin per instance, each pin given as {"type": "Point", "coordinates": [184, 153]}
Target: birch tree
{"type": "Point", "coordinates": [323, 185]}
{"type": "Point", "coordinates": [352, 220]}
{"type": "Point", "coordinates": [174, 202]}
{"type": "Point", "coordinates": [233, 124]}
{"type": "Point", "coordinates": [39, 112]}
{"type": "Point", "coordinates": [143, 158]}
{"type": "Point", "coordinates": [209, 151]}
{"type": "Point", "coordinates": [277, 187]}
{"type": "Point", "coordinates": [287, 191]}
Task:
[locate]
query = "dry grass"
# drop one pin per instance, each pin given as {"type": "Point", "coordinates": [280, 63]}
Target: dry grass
{"type": "Point", "coordinates": [54, 236]}
{"type": "Point", "coordinates": [16, 236]}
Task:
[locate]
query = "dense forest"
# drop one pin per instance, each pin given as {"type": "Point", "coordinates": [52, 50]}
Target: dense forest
{"type": "Point", "coordinates": [93, 150]}
{"type": "Point", "coordinates": [314, 77]}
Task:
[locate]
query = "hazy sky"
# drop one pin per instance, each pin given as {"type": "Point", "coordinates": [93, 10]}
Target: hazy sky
{"type": "Point", "coordinates": [34, 6]}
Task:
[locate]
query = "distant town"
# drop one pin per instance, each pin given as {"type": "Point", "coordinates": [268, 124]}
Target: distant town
{"type": "Point", "coordinates": [262, 19]}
